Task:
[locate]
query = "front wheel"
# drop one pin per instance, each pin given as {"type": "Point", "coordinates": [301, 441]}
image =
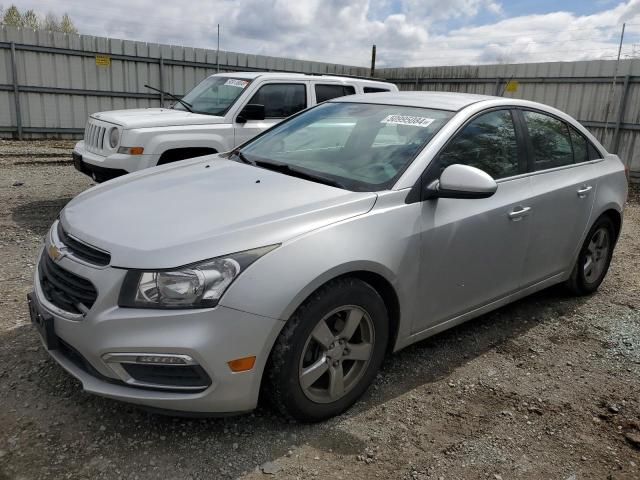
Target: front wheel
{"type": "Point", "coordinates": [329, 351]}
{"type": "Point", "coordinates": [594, 259]}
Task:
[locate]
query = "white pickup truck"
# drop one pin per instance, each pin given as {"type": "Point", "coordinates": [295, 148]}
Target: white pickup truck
{"type": "Point", "coordinates": [221, 112]}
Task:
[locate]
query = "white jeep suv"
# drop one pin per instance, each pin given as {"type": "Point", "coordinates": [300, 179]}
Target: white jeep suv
{"type": "Point", "coordinates": [220, 113]}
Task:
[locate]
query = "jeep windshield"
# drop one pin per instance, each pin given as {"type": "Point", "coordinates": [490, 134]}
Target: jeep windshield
{"type": "Point", "coordinates": [356, 146]}
{"type": "Point", "coordinates": [214, 95]}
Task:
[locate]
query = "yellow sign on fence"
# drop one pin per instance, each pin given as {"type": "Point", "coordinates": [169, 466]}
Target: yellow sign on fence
{"type": "Point", "coordinates": [512, 86]}
{"type": "Point", "coordinates": [103, 60]}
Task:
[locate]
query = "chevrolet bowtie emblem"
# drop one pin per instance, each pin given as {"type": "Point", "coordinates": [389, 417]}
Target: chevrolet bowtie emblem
{"type": "Point", "coordinates": [54, 253]}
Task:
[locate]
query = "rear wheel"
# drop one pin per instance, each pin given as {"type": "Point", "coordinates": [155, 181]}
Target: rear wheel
{"type": "Point", "coordinates": [594, 258]}
{"type": "Point", "coordinates": [329, 351]}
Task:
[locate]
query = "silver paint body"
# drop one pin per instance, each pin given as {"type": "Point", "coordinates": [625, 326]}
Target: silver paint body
{"type": "Point", "coordinates": [448, 260]}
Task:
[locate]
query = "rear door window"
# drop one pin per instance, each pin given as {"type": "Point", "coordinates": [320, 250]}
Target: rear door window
{"type": "Point", "coordinates": [375, 90]}
{"type": "Point", "coordinates": [580, 146]}
{"type": "Point", "coordinates": [327, 92]}
{"type": "Point", "coordinates": [281, 100]}
{"type": "Point", "coordinates": [550, 141]}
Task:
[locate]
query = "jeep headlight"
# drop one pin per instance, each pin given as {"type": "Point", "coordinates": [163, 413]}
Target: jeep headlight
{"type": "Point", "coordinates": [114, 137]}
{"type": "Point", "coordinates": [198, 285]}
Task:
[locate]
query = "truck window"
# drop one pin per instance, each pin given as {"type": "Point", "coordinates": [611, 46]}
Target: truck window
{"type": "Point", "coordinates": [375, 90]}
{"type": "Point", "coordinates": [281, 100]}
{"type": "Point", "coordinates": [327, 92]}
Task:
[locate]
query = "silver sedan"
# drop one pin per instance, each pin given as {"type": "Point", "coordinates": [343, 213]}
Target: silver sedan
{"type": "Point", "coordinates": [296, 262]}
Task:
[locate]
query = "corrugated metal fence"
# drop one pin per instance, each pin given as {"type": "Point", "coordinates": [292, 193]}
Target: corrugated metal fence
{"type": "Point", "coordinates": [50, 82]}
{"type": "Point", "coordinates": [585, 90]}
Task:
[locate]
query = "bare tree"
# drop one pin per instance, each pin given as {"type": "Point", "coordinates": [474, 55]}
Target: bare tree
{"type": "Point", "coordinates": [30, 19]}
{"type": "Point", "coordinates": [12, 17]}
{"type": "Point", "coordinates": [66, 25]}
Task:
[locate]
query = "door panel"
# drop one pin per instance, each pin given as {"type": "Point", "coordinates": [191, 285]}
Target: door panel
{"type": "Point", "coordinates": [561, 206]}
{"type": "Point", "coordinates": [472, 251]}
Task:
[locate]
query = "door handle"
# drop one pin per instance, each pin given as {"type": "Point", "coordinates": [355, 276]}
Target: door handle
{"type": "Point", "coordinates": [518, 213]}
{"type": "Point", "coordinates": [584, 191]}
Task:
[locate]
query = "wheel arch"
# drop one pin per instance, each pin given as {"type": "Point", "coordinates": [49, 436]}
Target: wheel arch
{"type": "Point", "coordinates": [376, 275]}
{"type": "Point", "coordinates": [182, 153]}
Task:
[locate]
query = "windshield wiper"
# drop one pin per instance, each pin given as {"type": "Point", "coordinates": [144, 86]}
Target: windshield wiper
{"type": "Point", "coordinates": [297, 172]}
{"type": "Point", "coordinates": [242, 157]}
{"type": "Point", "coordinates": [186, 104]}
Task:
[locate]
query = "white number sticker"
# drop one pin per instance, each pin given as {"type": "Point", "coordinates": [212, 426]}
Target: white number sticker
{"type": "Point", "coordinates": [408, 120]}
{"type": "Point", "coordinates": [232, 82]}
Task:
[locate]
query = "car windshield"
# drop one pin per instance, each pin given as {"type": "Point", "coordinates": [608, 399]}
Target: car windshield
{"type": "Point", "coordinates": [213, 95]}
{"type": "Point", "coordinates": [357, 146]}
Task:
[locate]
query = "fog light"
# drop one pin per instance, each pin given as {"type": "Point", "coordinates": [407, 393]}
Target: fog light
{"type": "Point", "coordinates": [242, 364]}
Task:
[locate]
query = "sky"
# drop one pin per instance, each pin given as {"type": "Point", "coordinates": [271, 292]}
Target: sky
{"type": "Point", "coordinates": [406, 32]}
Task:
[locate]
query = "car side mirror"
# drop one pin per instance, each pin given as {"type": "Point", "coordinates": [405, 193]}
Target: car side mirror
{"type": "Point", "coordinates": [462, 181]}
{"type": "Point", "coordinates": [253, 111]}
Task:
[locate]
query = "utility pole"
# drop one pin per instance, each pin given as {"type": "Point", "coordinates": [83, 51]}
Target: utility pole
{"type": "Point", "coordinates": [373, 61]}
{"type": "Point", "coordinates": [218, 52]}
{"type": "Point", "coordinates": [613, 84]}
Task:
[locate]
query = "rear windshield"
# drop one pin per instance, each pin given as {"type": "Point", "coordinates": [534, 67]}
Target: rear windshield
{"type": "Point", "coordinates": [364, 147]}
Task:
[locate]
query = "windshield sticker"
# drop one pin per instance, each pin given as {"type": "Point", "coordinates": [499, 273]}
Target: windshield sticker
{"type": "Point", "coordinates": [232, 82]}
{"type": "Point", "coordinates": [408, 120]}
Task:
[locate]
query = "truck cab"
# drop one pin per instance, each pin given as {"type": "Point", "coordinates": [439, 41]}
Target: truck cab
{"type": "Point", "coordinates": [220, 113]}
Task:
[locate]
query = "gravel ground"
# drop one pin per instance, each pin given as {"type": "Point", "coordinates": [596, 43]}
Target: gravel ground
{"type": "Point", "coordinates": [546, 388]}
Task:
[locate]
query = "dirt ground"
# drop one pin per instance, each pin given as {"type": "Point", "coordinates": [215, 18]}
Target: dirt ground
{"type": "Point", "coordinates": [547, 388]}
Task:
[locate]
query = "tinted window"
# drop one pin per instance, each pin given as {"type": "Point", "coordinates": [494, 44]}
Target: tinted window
{"type": "Point", "coordinates": [327, 92]}
{"type": "Point", "coordinates": [580, 149]}
{"type": "Point", "coordinates": [550, 141]}
{"type": "Point", "coordinates": [375, 90]}
{"type": "Point", "coordinates": [593, 152]}
{"type": "Point", "coordinates": [488, 142]}
{"type": "Point", "coordinates": [281, 100]}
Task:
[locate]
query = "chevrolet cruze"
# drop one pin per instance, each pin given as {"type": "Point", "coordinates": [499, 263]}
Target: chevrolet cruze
{"type": "Point", "coordinates": [293, 264]}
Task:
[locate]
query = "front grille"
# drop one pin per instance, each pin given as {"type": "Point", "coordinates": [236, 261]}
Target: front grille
{"type": "Point", "coordinates": [64, 289]}
{"type": "Point", "coordinates": [94, 137]}
{"type": "Point", "coordinates": [82, 250]}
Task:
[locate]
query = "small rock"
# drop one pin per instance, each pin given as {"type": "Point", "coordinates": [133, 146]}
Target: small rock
{"type": "Point", "coordinates": [17, 184]}
{"type": "Point", "coordinates": [633, 439]}
{"type": "Point", "coordinates": [497, 476]}
{"type": "Point", "coordinates": [235, 446]}
{"type": "Point", "coordinates": [270, 468]}
{"type": "Point", "coordinates": [613, 408]}
{"type": "Point", "coordinates": [102, 428]}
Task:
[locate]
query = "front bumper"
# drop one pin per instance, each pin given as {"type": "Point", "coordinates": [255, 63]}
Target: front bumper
{"type": "Point", "coordinates": [109, 166]}
{"type": "Point", "coordinates": [211, 337]}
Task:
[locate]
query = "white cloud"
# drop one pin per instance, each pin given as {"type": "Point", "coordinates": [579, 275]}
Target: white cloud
{"type": "Point", "coordinates": [343, 31]}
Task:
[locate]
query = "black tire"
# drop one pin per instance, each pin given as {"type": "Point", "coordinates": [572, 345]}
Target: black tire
{"type": "Point", "coordinates": [578, 283]}
{"type": "Point", "coordinates": [282, 384]}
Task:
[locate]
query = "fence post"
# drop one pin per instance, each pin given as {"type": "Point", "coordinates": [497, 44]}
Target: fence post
{"type": "Point", "coordinates": [621, 109]}
{"type": "Point", "coordinates": [497, 87]}
{"type": "Point", "coordinates": [16, 90]}
{"type": "Point", "coordinates": [161, 87]}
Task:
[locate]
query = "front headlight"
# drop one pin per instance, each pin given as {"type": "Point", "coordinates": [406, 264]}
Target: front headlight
{"type": "Point", "coordinates": [194, 286]}
{"type": "Point", "coordinates": [114, 137]}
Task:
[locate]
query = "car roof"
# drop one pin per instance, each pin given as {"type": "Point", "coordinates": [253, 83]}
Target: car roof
{"type": "Point", "coordinates": [287, 75]}
{"type": "Point", "coordinates": [437, 100]}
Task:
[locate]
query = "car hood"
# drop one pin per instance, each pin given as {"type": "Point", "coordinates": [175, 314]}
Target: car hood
{"type": "Point", "coordinates": [155, 117]}
{"type": "Point", "coordinates": [202, 208]}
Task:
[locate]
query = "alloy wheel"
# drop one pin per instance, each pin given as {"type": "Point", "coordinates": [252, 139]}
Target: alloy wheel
{"type": "Point", "coordinates": [336, 354]}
